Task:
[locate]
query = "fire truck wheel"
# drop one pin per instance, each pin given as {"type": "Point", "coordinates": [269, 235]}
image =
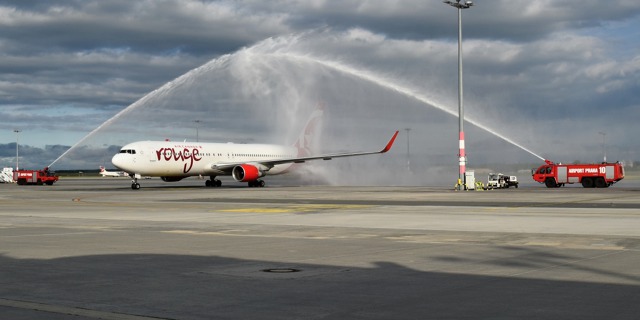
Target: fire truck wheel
{"type": "Point", "coordinates": [550, 183]}
{"type": "Point", "coordinates": [600, 183]}
{"type": "Point", "coordinates": [587, 183]}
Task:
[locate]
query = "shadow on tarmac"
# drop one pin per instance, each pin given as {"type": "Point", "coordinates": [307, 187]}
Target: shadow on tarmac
{"type": "Point", "coordinates": [213, 287]}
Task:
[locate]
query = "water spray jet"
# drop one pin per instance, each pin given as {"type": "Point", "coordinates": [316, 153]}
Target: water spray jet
{"type": "Point", "coordinates": [158, 92]}
{"type": "Point", "coordinates": [381, 81]}
{"type": "Point", "coordinates": [287, 54]}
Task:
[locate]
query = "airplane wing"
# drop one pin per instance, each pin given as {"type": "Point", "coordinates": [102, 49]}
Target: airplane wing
{"type": "Point", "coordinates": [268, 164]}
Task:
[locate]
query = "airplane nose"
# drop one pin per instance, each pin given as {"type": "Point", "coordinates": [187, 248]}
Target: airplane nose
{"type": "Point", "coordinates": [119, 161]}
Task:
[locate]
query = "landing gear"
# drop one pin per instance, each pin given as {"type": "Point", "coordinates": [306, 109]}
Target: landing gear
{"type": "Point", "coordinates": [213, 182]}
{"type": "Point", "coordinates": [134, 181]}
{"type": "Point", "coordinates": [256, 183]}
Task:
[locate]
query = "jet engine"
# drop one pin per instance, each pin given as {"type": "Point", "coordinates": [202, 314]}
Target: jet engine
{"type": "Point", "coordinates": [246, 172]}
{"type": "Point", "coordinates": [172, 179]}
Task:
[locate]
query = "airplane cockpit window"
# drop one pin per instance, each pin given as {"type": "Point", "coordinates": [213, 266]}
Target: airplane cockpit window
{"type": "Point", "coordinates": [129, 151]}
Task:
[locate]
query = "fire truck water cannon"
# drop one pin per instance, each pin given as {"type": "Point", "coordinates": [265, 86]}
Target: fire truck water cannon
{"type": "Point", "coordinates": [594, 175]}
{"type": "Point", "coordinates": [39, 177]}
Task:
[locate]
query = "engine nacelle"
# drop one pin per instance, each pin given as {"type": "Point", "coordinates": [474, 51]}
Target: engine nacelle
{"type": "Point", "coordinates": [246, 172]}
{"type": "Point", "coordinates": [171, 179]}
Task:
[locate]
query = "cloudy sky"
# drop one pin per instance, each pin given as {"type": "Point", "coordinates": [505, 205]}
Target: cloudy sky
{"type": "Point", "coordinates": [553, 76]}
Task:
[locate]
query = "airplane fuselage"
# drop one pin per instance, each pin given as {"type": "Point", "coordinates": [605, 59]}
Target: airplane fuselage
{"type": "Point", "coordinates": [112, 174]}
{"type": "Point", "coordinates": [183, 159]}
{"type": "Point", "coordinates": [173, 161]}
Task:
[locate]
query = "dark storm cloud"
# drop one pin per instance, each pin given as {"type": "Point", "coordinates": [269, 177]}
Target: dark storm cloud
{"type": "Point", "coordinates": [158, 27]}
{"type": "Point", "coordinates": [215, 27]}
{"type": "Point", "coordinates": [112, 52]}
{"type": "Point", "coordinates": [37, 158]}
{"type": "Point", "coordinates": [418, 19]}
{"type": "Point", "coordinates": [30, 157]}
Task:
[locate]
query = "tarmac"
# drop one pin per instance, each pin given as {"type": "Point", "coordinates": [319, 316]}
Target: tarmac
{"type": "Point", "coordinates": [95, 249]}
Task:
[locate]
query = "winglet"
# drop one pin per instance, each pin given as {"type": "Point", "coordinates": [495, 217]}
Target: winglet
{"type": "Point", "coordinates": [388, 147]}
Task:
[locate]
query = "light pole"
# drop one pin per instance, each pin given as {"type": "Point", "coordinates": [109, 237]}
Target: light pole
{"type": "Point", "coordinates": [462, 156]}
{"type": "Point", "coordinates": [604, 150]}
{"type": "Point", "coordinates": [408, 154]}
{"type": "Point", "coordinates": [197, 130]}
{"type": "Point", "coordinates": [17, 131]}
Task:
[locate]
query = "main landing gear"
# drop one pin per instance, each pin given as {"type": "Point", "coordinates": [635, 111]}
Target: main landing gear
{"type": "Point", "coordinates": [213, 182]}
{"type": "Point", "coordinates": [256, 183]}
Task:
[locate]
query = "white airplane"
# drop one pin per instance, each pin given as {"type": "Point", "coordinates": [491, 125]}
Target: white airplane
{"type": "Point", "coordinates": [174, 161]}
{"type": "Point", "coordinates": [105, 173]}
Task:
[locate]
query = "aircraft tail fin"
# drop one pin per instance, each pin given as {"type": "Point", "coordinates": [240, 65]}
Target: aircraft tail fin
{"type": "Point", "coordinates": [310, 132]}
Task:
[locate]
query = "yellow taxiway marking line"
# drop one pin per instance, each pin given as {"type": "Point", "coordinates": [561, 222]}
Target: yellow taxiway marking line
{"type": "Point", "coordinates": [259, 210]}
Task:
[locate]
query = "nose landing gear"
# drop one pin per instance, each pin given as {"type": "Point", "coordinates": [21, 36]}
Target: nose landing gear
{"type": "Point", "coordinates": [134, 181]}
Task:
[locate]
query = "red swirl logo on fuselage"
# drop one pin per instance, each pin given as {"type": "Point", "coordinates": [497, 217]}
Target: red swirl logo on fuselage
{"type": "Point", "coordinates": [187, 156]}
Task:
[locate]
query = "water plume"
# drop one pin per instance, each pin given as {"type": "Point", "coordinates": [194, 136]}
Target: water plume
{"type": "Point", "coordinates": [388, 83]}
{"type": "Point", "coordinates": [264, 93]}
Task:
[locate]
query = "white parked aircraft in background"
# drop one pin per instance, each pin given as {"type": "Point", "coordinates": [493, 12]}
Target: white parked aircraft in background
{"type": "Point", "coordinates": [105, 173]}
{"type": "Point", "coordinates": [174, 161]}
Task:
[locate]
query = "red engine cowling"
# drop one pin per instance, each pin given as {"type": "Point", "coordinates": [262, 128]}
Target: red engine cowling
{"type": "Point", "coordinates": [246, 172]}
{"type": "Point", "coordinates": [171, 179]}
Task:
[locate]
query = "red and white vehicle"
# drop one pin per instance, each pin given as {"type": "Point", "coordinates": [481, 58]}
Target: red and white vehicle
{"type": "Point", "coordinates": [598, 175]}
{"type": "Point", "coordinates": [38, 177]}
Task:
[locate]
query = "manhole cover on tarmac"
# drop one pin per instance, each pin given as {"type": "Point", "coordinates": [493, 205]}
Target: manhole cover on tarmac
{"type": "Point", "coordinates": [281, 270]}
{"type": "Point", "coordinates": [268, 271]}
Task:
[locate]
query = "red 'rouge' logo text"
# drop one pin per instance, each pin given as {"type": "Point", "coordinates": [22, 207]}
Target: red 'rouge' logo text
{"type": "Point", "coordinates": [186, 156]}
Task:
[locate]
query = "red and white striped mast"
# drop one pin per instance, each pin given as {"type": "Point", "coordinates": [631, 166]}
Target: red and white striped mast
{"type": "Point", "coordinates": [462, 157]}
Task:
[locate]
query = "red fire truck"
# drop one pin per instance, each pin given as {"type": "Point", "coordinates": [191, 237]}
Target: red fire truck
{"type": "Point", "coordinates": [598, 175]}
{"type": "Point", "coordinates": [38, 177]}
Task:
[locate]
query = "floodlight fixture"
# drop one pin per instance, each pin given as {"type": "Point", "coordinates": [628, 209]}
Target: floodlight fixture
{"type": "Point", "coordinates": [459, 5]}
